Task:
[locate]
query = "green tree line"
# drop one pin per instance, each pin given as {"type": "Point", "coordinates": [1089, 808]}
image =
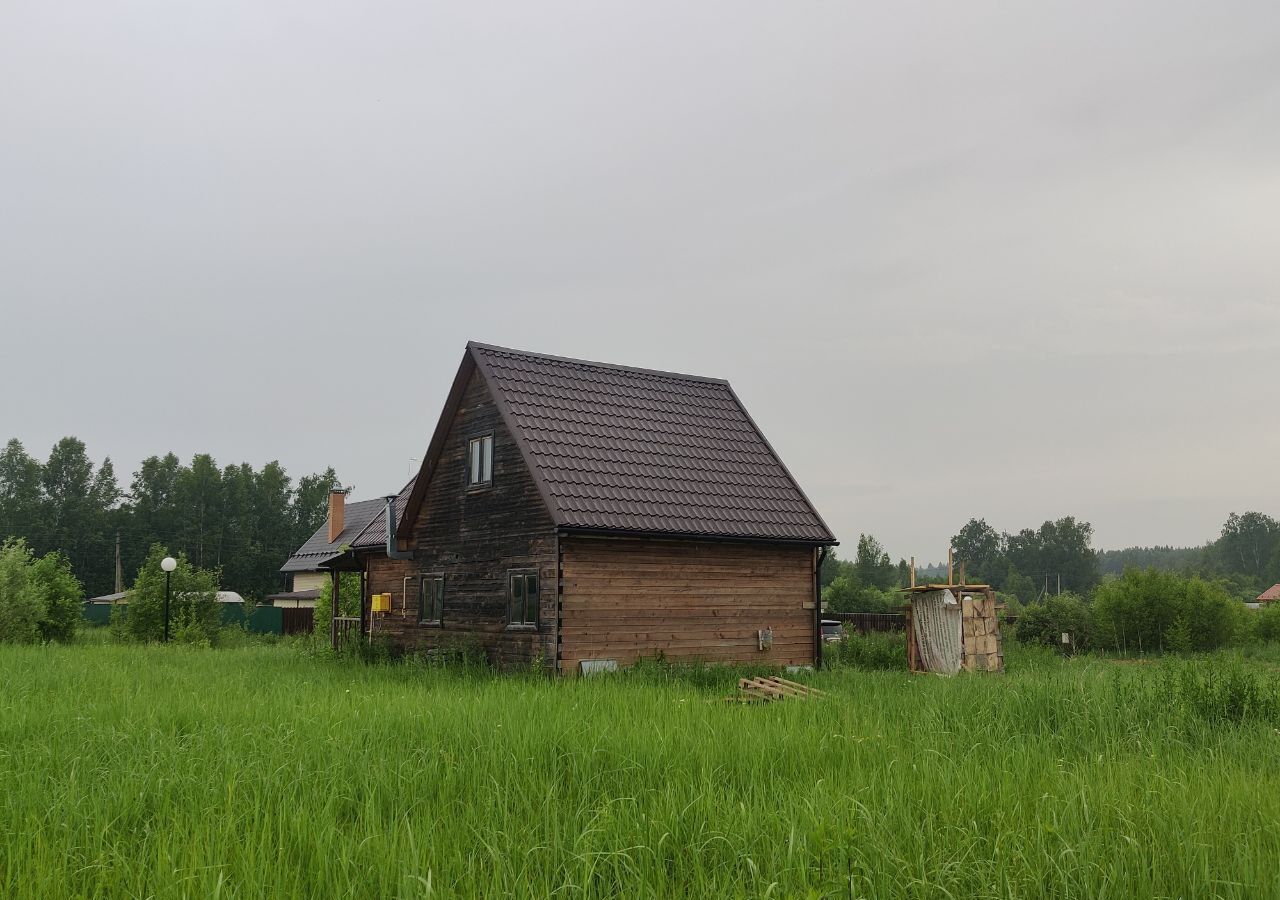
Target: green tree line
{"type": "Point", "coordinates": [1058, 557]}
{"type": "Point", "coordinates": [234, 519]}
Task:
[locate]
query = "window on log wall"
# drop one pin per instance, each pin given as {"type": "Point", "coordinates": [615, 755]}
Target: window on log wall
{"type": "Point", "coordinates": [431, 600]}
{"type": "Point", "coordinates": [523, 599]}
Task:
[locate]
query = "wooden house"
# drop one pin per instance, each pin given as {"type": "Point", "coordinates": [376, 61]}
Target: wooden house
{"type": "Point", "coordinates": [583, 515]}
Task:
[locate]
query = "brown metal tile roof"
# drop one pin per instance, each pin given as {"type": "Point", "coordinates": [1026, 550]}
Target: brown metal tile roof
{"type": "Point", "coordinates": [319, 549]}
{"type": "Point", "coordinates": [632, 450]}
{"type": "Point", "coordinates": [1270, 594]}
{"type": "Point", "coordinates": [374, 534]}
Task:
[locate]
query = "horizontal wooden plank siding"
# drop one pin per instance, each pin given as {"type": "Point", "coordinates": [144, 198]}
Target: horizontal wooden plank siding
{"type": "Point", "coordinates": [624, 599]}
{"type": "Point", "coordinates": [386, 576]}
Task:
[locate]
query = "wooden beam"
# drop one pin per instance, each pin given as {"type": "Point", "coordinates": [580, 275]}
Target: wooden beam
{"type": "Point", "coordinates": [333, 609]}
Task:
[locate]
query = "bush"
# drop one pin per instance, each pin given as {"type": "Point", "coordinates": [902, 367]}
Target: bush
{"type": "Point", "coordinates": [349, 600]}
{"type": "Point", "coordinates": [847, 595]}
{"type": "Point", "coordinates": [1266, 622]}
{"type": "Point", "coordinates": [1152, 611]}
{"type": "Point", "coordinates": [194, 615]}
{"type": "Point", "coordinates": [1044, 623]}
{"type": "Point", "coordinates": [874, 651]}
{"type": "Point", "coordinates": [61, 596]}
{"type": "Point", "coordinates": [39, 598]}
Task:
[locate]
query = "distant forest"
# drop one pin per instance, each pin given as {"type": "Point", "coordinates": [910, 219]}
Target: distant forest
{"type": "Point", "coordinates": [235, 519]}
{"type": "Point", "coordinates": [245, 522]}
{"type": "Point", "coordinates": [1058, 557]}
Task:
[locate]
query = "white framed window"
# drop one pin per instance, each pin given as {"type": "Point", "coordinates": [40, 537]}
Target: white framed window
{"type": "Point", "coordinates": [480, 461]}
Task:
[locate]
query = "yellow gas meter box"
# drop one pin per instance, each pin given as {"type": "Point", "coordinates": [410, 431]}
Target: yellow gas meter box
{"type": "Point", "coordinates": [382, 603]}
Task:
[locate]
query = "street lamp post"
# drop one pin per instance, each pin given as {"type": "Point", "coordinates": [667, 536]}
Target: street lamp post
{"type": "Point", "coordinates": [168, 564]}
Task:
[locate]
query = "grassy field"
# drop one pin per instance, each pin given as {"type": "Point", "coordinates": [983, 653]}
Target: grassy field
{"type": "Point", "coordinates": [180, 772]}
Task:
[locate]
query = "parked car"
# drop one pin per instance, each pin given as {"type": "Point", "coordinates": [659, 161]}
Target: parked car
{"type": "Point", "coordinates": [832, 630]}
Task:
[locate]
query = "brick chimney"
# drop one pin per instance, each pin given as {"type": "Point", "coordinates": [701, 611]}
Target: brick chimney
{"type": "Point", "coordinates": [337, 512]}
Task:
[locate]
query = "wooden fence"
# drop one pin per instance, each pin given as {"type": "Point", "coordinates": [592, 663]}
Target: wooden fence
{"type": "Point", "coordinates": [348, 629]}
{"type": "Point", "coordinates": [299, 620]}
{"type": "Point", "coordinates": [864, 622]}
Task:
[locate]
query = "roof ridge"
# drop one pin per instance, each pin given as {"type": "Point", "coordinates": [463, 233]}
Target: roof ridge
{"type": "Point", "coordinates": [630, 450]}
{"type": "Point", "coordinates": [659, 373]}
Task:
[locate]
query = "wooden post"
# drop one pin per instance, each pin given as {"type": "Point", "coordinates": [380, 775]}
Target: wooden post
{"type": "Point", "coordinates": [962, 578]}
{"type": "Point", "coordinates": [366, 624]}
{"type": "Point", "coordinates": [333, 610]}
{"type": "Point", "coordinates": [951, 578]}
{"type": "Point", "coordinates": [911, 640]}
{"type": "Point", "coordinates": [913, 571]}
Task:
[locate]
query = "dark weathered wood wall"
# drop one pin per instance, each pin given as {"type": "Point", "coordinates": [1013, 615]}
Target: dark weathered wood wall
{"type": "Point", "coordinates": [625, 599]}
{"type": "Point", "coordinates": [383, 575]}
{"type": "Point", "coordinates": [475, 536]}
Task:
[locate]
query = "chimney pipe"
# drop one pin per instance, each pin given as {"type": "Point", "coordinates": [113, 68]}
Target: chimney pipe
{"type": "Point", "coordinates": [337, 512]}
{"type": "Point", "coordinates": [393, 548]}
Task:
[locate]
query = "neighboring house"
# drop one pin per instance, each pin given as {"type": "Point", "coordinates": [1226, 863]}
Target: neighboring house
{"type": "Point", "coordinates": [582, 515]}
{"type": "Point", "coordinates": [1270, 595]}
{"type": "Point", "coordinates": [307, 569]}
{"type": "Point", "coordinates": [123, 597]}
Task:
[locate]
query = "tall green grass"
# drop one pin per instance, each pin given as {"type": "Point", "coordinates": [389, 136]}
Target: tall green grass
{"type": "Point", "coordinates": [259, 772]}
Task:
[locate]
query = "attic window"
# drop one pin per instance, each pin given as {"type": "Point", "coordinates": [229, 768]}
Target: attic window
{"type": "Point", "coordinates": [480, 461]}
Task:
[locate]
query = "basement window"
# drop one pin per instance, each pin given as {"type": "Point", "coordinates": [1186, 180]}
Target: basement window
{"type": "Point", "coordinates": [431, 600]}
{"type": "Point", "coordinates": [522, 600]}
{"type": "Point", "coordinates": [480, 461]}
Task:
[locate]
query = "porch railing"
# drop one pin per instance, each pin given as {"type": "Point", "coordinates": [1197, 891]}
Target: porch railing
{"type": "Point", "coordinates": [344, 626]}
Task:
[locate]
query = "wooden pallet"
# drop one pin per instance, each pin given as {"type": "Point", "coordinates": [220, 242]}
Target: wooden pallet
{"type": "Point", "coordinates": [755, 690]}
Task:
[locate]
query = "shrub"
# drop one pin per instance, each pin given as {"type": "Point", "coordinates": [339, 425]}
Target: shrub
{"type": "Point", "coordinates": [61, 596]}
{"type": "Point", "coordinates": [1266, 622]}
{"type": "Point", "coordinates": [39, 598]}
{"type": "Point", "coordinates": [19, 606]}
{"type": "Point", "coordinates": [1146, 610]}
{"type": "Point", "coordinates": [194, 616]}
{"type": "Point", "coordinates": [847, 595]}
{"type": "Point", "coordinates": [349, 600]}
{"type": "Point", "coordinates": [1044, 623]}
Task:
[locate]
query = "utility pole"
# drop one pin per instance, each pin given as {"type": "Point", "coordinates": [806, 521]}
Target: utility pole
{"type": "Point", "coordinates": [119, 571]}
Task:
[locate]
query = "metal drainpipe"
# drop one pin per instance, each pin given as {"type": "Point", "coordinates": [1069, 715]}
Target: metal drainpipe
{"type": "Point", "coordinates": [559, 599]}
{"type": "Point", "coordinates": [817, 607]}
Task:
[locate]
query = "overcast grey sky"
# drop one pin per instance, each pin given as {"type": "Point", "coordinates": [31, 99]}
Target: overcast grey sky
{"type": "Point", "coordinates": [959, 259]}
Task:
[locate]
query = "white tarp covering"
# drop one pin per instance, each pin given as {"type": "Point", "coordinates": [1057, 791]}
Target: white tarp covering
{"type": "Point", "coordinates": [935, 617]}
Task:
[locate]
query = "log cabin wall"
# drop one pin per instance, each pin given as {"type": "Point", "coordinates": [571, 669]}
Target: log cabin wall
{"type": "Point", "coordinates": [688, 600]}
{"type": "Point", "coordinates": [475, 537]}
{"type": "Point", "coordinates": [387, 576]}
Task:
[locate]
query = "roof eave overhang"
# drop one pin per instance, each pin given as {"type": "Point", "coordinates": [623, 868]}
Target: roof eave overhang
{"type": "Point", "coordinates": [341, 562]}
{"type": "Point", "coordinates": [586, 531]}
